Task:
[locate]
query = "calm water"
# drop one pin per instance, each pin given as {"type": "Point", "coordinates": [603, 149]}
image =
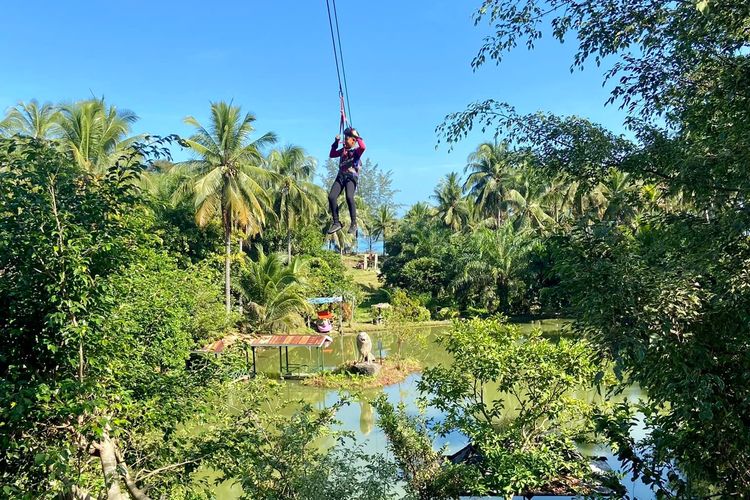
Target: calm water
{"type": "Point", "coordinates": [360, 418]}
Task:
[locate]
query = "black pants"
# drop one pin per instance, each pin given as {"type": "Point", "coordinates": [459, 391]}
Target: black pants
{"type": "Point", "coordinates": [348, 183]}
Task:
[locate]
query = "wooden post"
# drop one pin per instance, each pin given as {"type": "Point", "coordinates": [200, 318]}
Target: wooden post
{"type": "Point", "coordinates": [255, 372]}
{"type": "Point", "coordinates": [375, 263]}
{"type": "Point", "coordinates": [281, 365]}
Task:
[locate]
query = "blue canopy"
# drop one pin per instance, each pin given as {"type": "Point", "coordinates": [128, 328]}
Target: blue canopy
{"type": "Point", "coordinates": [325, 300]}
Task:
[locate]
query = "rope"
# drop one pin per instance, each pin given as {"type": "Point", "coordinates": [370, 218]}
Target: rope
{"type": "Point", "coordinates": [337, 52]}
{"type": "Point", "coordinates": [341, 54]}
{"type": "Point", "coordinates": [333, 41]}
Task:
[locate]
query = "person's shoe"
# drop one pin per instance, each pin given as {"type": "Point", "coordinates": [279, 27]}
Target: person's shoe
{"type": "Point", "coordinates": [336, 226]}
{"type": "Point", "coordinates": [352, 229]}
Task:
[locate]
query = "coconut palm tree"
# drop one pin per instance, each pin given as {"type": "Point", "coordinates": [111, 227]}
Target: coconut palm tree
{"type": "Point", "coordinates": [526, 204]}
{"type": "Point", "coordinates": [364, 220]}
{"type": "Point", "coordinates": [619, 191]}
{"type": "Point", "coordinates": [490, 263]}
{"type": "Point", "coordinates": [296, 199]}
{"type": "Point", "coordinates": [274, 292]}
{"type": "Point", "coordinates": [33, 120]}
{"type": "Point", "coordinates": [342, 240]}
{"type": "Point", "coordinates": [384, 220]}
{"type": "Point", "coordinates": [453, 209]}
{"type": "Point", "coordinates": [96, 134]}
{"type": "Point", "coordinates": [492, 175]}
{"type": "Point", "coordinates": [225, 180]}
{"type": "Point", "coordinates": [420, 211]}
{"type": "Point", "coordinates": [558, 199]}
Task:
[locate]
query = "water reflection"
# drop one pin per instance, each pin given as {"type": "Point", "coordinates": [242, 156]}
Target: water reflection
{"type": "Point", "coordinates": [366, 421]}
{"type": "Point", "coordinates": [358, 417]}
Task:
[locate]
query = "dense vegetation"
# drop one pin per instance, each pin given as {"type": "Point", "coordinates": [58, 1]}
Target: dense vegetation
{"type": "Point", "coordinates": [118, 265]}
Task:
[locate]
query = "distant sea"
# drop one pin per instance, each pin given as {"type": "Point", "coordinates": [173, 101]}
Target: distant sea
{"type": "Point", "coordinates": [363, 245]}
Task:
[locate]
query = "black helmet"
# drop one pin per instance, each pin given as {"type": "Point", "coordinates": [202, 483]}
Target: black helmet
{"type": "Point", "coordinates": [350, 132]}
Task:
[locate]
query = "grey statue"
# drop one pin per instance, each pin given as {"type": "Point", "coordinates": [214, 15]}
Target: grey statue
{"type": "Point", "coordinates": [364, 346]}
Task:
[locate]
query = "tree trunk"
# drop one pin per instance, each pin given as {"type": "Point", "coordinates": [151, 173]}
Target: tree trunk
{"type": "Point", "coordinates": [135, 492]}
{"type": "Point", "coordinates": [242, 303]}
{"type": "Point", "coordinates": [109, 467]}
{"type": "Point", "coordinates": [370, 240]}
{"type": "Point", "coordinates": [228, 268]}
{"type": "Point", "coordinates": [499, 218]}
{"type": "Point", "coordinates": [288, 247]}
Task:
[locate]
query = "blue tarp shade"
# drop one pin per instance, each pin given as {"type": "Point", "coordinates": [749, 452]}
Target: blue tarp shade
{"type": "Point", "coordinates": [325, 300]}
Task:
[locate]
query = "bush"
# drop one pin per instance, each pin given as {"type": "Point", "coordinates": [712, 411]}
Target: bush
{"type": "Point", "coordinates": [447, 313]}
{"type": "Point", "coordinates": [327, 277]}
{"type": "Point", "coordinates": [406, 308]}
{"type": "Point", "coordinates": [424, 275]}
{"type": "Point", "coordinates": [530, 451]}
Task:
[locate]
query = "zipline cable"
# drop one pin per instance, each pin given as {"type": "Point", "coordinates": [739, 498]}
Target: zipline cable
{"type": "Point", "coordinates": [333, 41]}
{"type": "Point", "coordinates": [337, 52]}
{"type": "Point", "coordinates": [343, 69]}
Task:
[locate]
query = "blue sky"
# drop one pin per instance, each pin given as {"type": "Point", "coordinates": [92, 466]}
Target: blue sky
{"type": "Point", "coordinates": [407, 64]}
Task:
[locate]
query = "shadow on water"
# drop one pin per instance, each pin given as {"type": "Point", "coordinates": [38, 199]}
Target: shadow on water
{"type": "Point", "coordinates": [360, 419]}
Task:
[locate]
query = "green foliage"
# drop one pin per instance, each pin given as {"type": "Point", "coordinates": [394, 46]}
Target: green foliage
{"type": "Point", "coordinates": [275, 456]}
{"type": "Point", "coordinates": [675, 310]}
{"type": "Point", "coordinates": [98, 328]}
{"type": "Point", "coordinates": [153, 314]}
{"type": "Point", "coordinates": [423, 275]}
{"type": "Point", "coordinates": [175, 219]}
{"type": "Point", "coordinates": [414, 239]}
{"type": "Point", "coordinates": [296, 200]}
{"type": "Point", "coordinates": [275, 292]}
{"type": "Point", "coordinates": [512, 395]}
{"type": "Point", "coordinates": [423, 469]}
{"type": "Point", "coordinates": [328, 277]}
{"type": "Point", "coordinates": [447, 313]}
{"type": "Point", "coordinates": [95, 133]}
{"type": "Point", "coordinates": [32, 120]}
{"type": "Point", "coordinates": [405, 308]}
{"type": "Point", "coordinates": [453, 210]}
{"type": "Point", "coordinates": [655, 271]}
{"type": "Point", "coordinates": [226, 180]}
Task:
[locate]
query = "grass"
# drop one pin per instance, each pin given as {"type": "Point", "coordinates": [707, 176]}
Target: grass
{"type": "Point", "coordinates": [371, 286]}
{"type": "Point", "coordinates": [392, 372]}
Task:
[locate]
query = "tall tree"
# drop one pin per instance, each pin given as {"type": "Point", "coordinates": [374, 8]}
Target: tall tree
{"type": "Point", "coordinates": [275, 292]}
{"type": "Point", "coordinates": [33, 120]}
{"type": "Point", "coordinates": [663, 299]}
{"type": "Point", "coordinates": [491, 176]}
{"type": "Point", "coordinates": [419, 211]}
{"type": "Point", "coordinates": [376, 185]}
{"type": "Point", "coordinates": [95, 133]}
{"type": "Point", "coordinates": [295, 198]}
{"type": "Point", "coordinates": [453, 209]}
{"type": "Point", "coordinates": [226, 178]}
{"type": "Point", "coordinates": [620, 195]}
{"type": "Point", "coordinates": [526, 203]}
{"type": "Point", "coordinates": [383, 222]}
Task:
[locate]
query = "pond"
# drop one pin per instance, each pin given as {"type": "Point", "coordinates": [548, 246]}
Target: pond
{"type": "Point", "coordinates": [359, 417]}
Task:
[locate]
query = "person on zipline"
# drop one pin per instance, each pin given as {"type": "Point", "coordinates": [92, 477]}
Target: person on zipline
{"type": "Point", "coordinates": [346, 180]}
